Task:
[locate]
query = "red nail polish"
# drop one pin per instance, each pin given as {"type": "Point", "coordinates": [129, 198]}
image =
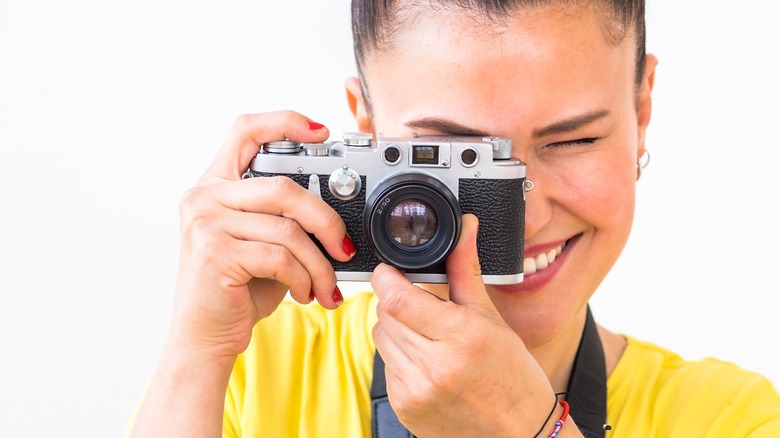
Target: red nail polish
{"type": "Point", "coordinates": [337, 298]}
{"type": "Point", "coordinates": [348, 246]}
{"type": "Point", "coordinates": [311, 296]}
{"type": "Point", "coordinates": [314, 126]}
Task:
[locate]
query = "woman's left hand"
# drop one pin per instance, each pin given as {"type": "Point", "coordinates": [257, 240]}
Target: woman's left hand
{"type": "Point", "coordinates": [455, 368]}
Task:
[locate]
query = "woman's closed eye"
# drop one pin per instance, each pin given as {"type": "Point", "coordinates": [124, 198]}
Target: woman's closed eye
{"type": "Point", "coordinates": [574, 143]}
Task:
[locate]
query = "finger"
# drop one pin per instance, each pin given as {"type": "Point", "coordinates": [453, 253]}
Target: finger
{"type": "Point", "coordinates": [411, 306]}
{"type": "Point", "coordinates": [399, 367]}
{"type": "Point", "coordinates": [278, 262]}
{"type": "Point", "coordinates": [265, 260]}
{"type": "Point", "coordinates": [285, 232]}
{"type": "Point", "coordinates": [279, 196]}
{"type": "Point", "coordinates": [250, 131]}
{"type": "Point", "coordinates": [392, 354]}
{"type": "Point", "coordinates": [463, 271]}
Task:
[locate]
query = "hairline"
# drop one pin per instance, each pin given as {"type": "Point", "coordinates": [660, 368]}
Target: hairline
{"type": "Point", "coordinates": [614, 30]}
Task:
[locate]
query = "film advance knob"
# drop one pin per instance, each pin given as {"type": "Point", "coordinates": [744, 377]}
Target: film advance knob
{"type": "Point", "coordinates": [360, 139]}
{"type": "Point", "coordinates": [344, 183]}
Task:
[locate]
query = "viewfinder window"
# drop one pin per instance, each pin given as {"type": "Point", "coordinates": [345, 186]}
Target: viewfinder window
{"type": "Point", "coordinates": [425, 154]}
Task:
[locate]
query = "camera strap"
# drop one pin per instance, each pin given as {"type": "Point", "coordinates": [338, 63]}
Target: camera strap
{"type": "Point", "coordinates": [587, 387]}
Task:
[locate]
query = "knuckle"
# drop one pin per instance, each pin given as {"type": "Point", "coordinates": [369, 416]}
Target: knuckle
{"type": "Point", "coordinates": [284, 184]}
{"type": "Point", "coordinates": [190, 198]}
{"type": "Point", "coordinates": [280, 257]}
{"type": "Point", "coordinates": [417, 399]}
{"type": "Point", "coordinates": [394, 304]}
{"type": "Point", "coordinates": [332, 220]}
{"type": "Point", "coordinates": [441, 379]}
{"type": "Point", "coordinates": [193, 208]}
{"type": "Point", "coordinates": [290, 229]}
{"type": "Point", "coordinates": [206, 247]}
{"type": "Point", "coordinates": [242, 122]}
{"type": "Point", "coordinates": [324, 272]}
{"type": "Point", "coordinates": [289, 117]}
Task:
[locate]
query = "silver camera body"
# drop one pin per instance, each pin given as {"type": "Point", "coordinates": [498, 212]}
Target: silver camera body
{"type": "Point", "coordinates": [402, 199]}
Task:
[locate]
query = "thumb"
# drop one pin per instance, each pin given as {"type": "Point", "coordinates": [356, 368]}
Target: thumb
{"type": "Point", "coordinates": [464, 273]}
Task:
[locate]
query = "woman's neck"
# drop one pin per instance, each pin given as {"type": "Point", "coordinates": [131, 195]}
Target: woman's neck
{"type": "Point", "coordinates": [556, 357]}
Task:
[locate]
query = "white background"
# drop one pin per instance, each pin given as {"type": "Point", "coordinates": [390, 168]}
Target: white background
{"type": "Point", "coordinates": [110, 110]}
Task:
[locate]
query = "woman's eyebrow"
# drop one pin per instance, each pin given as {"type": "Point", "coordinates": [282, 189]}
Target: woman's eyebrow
{"type": "Point", "coordinates": [443, 126]}
{"type": "Point", "coordinates": [571, 124]}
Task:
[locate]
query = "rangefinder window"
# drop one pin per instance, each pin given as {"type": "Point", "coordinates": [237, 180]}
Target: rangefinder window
{"type": "Point", "coordinates": [425, 154]}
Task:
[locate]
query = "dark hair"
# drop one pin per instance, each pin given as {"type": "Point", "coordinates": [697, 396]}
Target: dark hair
{"type": "Point", "coordinates": [375, 22]}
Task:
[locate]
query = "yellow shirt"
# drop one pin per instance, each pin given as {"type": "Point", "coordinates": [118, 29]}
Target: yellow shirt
{"type": "Point", "coordinates": [307, 373]}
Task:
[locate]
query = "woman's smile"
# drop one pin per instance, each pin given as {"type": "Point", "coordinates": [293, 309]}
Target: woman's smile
{"type": "Point", "coordinates": [541, 266]}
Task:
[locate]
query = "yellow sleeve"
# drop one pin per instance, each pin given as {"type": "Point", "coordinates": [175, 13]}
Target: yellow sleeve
{"type": "Point", "coordinates": [653, 392]}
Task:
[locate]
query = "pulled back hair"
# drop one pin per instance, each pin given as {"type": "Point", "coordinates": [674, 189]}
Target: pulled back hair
{"type": "Point", "coordinates": [376, 22]}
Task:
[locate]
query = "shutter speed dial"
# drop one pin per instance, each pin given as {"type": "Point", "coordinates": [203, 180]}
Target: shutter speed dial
{"type": "Point", "coordinates": [344, 183]}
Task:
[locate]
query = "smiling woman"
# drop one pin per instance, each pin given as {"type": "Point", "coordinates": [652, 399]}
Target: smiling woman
{"type": "Point", "coordinates": [571, 85]}
{"type": "Point", "coordinates": [110, 111]}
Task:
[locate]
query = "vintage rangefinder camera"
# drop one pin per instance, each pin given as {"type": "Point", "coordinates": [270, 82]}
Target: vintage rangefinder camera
{"type": "Point", "coordinates": [402, 199]}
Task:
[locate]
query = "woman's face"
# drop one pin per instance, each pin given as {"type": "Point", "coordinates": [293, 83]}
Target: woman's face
{"type": "Point", "coordinates": [566, 96]}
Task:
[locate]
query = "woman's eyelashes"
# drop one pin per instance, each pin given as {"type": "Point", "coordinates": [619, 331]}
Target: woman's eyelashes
{"type": "Point", "coordinates": [574, 143]}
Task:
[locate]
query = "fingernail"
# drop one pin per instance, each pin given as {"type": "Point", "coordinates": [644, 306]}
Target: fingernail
{"type": "Point", "coordinates": [314, 126]}
{"type": "Point", "coordinates": [348, 246]}
{"type": "Point", "coordinates": [311, 296]}
{"type": "Point", "coordinates": [337, 298]}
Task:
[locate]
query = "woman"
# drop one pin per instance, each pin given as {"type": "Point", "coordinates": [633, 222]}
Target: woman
{"type": "Point", "coordinates": [570, 84]}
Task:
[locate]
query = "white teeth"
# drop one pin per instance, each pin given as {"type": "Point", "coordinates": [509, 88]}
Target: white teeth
{"type": "Point", "coordinates": [541, 261]}
{"type": "Point", "coordinates": [533, 264]}
{"type": "Point", "coordinates": [529, 266]}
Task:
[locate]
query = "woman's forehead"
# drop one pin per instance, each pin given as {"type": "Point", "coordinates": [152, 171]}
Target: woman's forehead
{"type": "Point", "coordinates": [543, 59]}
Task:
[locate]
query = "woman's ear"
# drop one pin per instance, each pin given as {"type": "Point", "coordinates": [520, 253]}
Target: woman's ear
{"type": "Point", "coordinates": [358, 106]}
{"type": "Point", "coordinates": [644, 104]}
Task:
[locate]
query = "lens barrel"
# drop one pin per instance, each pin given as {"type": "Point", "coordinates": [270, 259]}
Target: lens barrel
{"type": "Point", "coordinates": [412, 221]}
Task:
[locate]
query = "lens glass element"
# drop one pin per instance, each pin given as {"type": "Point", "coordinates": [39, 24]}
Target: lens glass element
{"type": "Point", "coordinates": [412, 223]}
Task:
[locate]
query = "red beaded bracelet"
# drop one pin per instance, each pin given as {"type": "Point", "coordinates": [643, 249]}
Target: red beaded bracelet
{"type": "Point", "coordinates": [559, 423]}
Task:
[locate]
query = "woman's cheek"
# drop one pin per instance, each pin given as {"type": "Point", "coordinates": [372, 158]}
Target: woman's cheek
{"type": "Point", "coordinates": [600, 190]}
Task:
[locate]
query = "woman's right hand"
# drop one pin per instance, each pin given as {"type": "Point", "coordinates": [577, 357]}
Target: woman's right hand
{"type": "Point", "coordinates": [236, 235]}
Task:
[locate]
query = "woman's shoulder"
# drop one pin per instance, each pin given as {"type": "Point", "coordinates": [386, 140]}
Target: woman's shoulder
{"type": "Point", "coordinates": [692, 396]}
{"type": "Point", "coordinates": [646, 357]}
{"type": "Point", "coordinates": [664, 368]}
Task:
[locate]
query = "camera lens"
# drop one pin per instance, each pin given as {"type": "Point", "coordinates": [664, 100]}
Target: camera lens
{"type": "Point", "coordinates": [412, 221]}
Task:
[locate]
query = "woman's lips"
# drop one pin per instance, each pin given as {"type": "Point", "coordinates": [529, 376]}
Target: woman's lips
{"type": "Point", "coordinates": [542, 267]}
{"type": "Point", "coordinates": [533, 264]}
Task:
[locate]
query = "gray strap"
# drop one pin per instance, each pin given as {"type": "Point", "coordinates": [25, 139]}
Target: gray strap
{"type": "Point", "coordinates": [384, 422]}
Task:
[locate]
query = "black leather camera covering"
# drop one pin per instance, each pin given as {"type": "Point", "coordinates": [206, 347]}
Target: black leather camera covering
{"type": "Point", "coordinates": [498, 203]}
{"type": "Point", "coordinates": [499, 206]}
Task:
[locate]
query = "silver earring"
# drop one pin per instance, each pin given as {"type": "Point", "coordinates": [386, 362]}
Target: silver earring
{"type": "Point", "coordinates": [641, 163]}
